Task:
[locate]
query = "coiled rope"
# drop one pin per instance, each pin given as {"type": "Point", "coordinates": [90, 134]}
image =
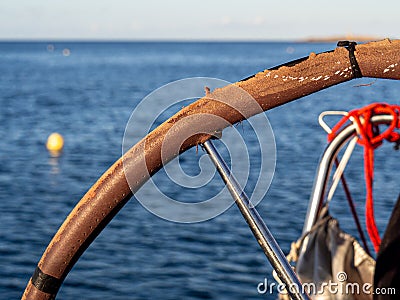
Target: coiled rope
{"type": "Point", "coordinates": [371, 138]}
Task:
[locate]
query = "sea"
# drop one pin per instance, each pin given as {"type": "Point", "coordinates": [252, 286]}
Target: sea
{"type": "Point", "coordinates": [87, 92]}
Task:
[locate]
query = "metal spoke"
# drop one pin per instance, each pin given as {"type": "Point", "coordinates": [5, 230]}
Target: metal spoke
{"type": "Point", "coordinates": [257, 226]}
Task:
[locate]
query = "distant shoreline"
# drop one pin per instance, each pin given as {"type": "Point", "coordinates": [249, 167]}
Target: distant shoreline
{"type": "Point", "coordinates": [329, 39]}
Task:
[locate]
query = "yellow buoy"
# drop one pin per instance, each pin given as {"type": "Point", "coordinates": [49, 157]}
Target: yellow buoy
{"type": "Point", "coordinates": [55, 142]}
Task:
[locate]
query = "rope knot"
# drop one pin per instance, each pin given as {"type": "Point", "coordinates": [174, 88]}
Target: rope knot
{"type": "Point", "coordinates": [371, 138]}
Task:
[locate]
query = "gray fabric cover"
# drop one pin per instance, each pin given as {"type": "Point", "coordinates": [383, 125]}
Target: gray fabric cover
{"type": "Point", "coordinates": [326, 253]}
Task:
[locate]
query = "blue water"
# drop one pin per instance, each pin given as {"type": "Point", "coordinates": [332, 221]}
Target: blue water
{"type": "Point", "coordinates": [88, 97]}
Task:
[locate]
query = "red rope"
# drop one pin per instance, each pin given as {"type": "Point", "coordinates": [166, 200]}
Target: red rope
{"type": "Point", "coordinates": [370, 138]}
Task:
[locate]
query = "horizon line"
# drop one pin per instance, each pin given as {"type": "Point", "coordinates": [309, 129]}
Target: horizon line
{"type": "Point", "coordinates": [93, 40]}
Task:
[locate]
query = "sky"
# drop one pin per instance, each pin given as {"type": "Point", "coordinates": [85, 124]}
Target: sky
{"type": "Point", "coordinates": [196, 20]}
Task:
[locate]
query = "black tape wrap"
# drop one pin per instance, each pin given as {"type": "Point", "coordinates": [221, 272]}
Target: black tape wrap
{"type": "Point", "coordinates": [45, 283]}
{"type": "Point", "coordinates": [351, 47]}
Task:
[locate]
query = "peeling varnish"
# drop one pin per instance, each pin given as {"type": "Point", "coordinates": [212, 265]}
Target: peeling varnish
{"type": "Point", "coordinates": [286, 78]}
{"type": "Point", "coordinates": [344, 72]}
{"type": "Point", "coordinates": [392, 66]}
{"type": "Point", "coordinates": [316, 78]}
